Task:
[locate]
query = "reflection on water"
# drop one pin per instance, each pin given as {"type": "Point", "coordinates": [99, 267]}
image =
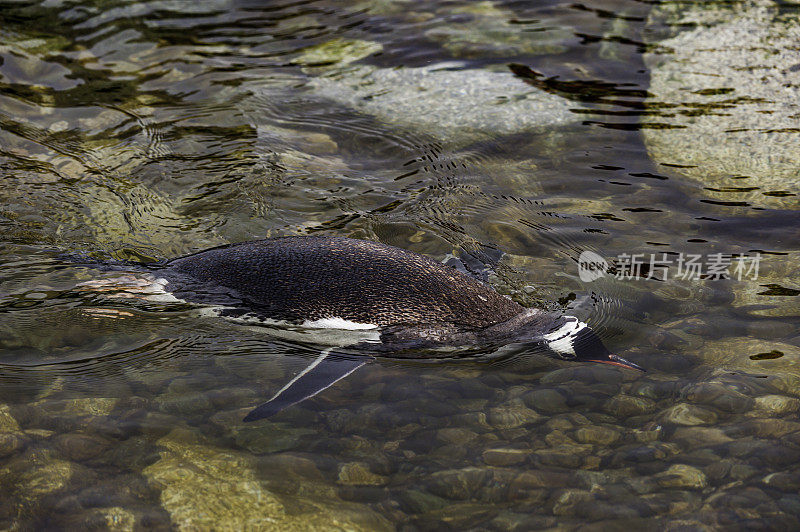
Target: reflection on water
{"type": "Point", "coordinates": [147, 130]}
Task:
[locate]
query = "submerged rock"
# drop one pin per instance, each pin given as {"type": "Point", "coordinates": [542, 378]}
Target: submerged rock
{"type": "Point", "coordinates": [777, 404]}
{"type": "Point", "coordinates": [685, 414]}
{"type": "Point", "coordinates": [338, 51]}
{"type": "Point", "coordinates": [459, 483]}
{"type": "Point", "coordinates": [682, 476]}
{"type": "Point", "coordinates": [505, 456]}
{"type": "Point", "coordinates": [726, 79]}
{"type": "Point", "coordinates": [481, 29]}
{"type": "Point", "coordinates": [452, 104]}
{"type": "Point", "coordinates": [746, 355]}
{"type": "Point", "coordinates": [720, 396]}
{"type": "Point", "coordinates": [416, 501]}
{"type": "Point", "coordinates": [597, 435]}
{"type": "Point", "coordinates": [7, 421]}
{"type": "Point", "coordinates": [546, 400]}
{"type": "Point", "coordinates": [204, 487]}
{"type": "Point", "coordinates": [623, 406]}
{"type": "Point", "coordinates": [694, 437]}
{"type": "Point", "coordinates": [113, 518]}
{"type": "Point", "coordinates": [80, 447]}
{"type": "Point", "coordinates": [11, 442]}
{"type": "Point", "coordinates": [31, 478]}
{"type": "Point", "coordinates": [358, 474]}
{"type": "Point", "coordinates": [269, 437]}
{"type": "Point", "coordinates": [512, 416]}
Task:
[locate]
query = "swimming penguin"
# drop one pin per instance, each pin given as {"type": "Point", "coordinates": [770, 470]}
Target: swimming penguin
{"type": "Point", "coordinates": [413, 306]}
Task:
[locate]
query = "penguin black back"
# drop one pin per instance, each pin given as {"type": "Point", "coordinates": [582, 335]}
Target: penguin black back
{"type": "Point", "coordinates": [313, 278]}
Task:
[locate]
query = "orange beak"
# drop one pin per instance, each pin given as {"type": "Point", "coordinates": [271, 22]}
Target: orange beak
{"type": "Point", "coordinates": [615, 360]}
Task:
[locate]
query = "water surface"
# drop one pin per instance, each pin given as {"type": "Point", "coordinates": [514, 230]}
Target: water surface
{"type": "Point", "coordinates": [525, 131]}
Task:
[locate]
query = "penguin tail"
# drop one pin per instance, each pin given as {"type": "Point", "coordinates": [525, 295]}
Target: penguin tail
{"type": "Point", "coordinates": [326, 370]}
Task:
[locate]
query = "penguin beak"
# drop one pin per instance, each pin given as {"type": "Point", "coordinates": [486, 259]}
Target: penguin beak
{"type": "Point", "coordinates": [615, 360]}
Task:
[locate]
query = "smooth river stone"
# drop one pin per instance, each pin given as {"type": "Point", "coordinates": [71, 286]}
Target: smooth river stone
{"type": "Point", "coordinates": [505, 456]}
{"type": "Point", "coordinates": [358, 474]}
{"type": "Point", "coordinates": [623, 406]}
{"type": "Point", "coordinates": [682, 476]}
{"type": "Point", "coordinates": [685, 414]}
{"type": "Point", "coordinates": [694, 437]}
{"type": "Point", "coordinates": [7, 421]}
{"type": "Point", "coordinates": [512, 416]}
{"type": "Point", "coordinates": [204, 487]}
{"type": "Point", "coordinates": [80, 447]}
{"type": "Point", "coordinates": [337, 51]}
{"type": "Point", "coordinates": [11, 442]}
{"type": "Point", "coordinates": [597, 435]}
{"type": "Point", "coordinates": [725, 74]}
{"type": "Point", "coordinates": [457, 106]}
{"type": "Point", "coordinates": [734, 354]}
{"type": "Point", "coordinates": [483, 29]}
{"type": "Point", "coordinates": [777, 404]}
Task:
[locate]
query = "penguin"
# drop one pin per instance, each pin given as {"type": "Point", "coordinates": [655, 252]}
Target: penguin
{"type": "Point", "coordinates": [409, 305]}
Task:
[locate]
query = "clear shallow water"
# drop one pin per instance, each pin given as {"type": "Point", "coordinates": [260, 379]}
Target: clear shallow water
{"type": "Point", "coordinates": [147, 131]}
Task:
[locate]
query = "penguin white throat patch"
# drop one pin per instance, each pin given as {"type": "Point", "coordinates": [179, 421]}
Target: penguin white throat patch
{"type": "Point", "coordinates": [561, 339]}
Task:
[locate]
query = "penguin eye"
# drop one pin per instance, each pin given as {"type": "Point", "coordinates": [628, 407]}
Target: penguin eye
{"type": "Point", "coordinates": [568, 356]}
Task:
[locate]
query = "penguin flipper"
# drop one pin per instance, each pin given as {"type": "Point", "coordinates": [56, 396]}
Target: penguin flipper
{"type": "Point", "coordinates": [479, 262]}
{"type": "Point", "coordinates": [322, 373]}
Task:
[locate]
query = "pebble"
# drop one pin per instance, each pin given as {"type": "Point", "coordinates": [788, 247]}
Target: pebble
{"type": "Point", "coordinates": [623, 406]}
{"type": "Point", "coordinates": [270, 437]}
{"type": "Point", "coordinates": [184, 403]}
{"type": "Point", "coordinates": [597, 435]}
{"type": "Point", "coordinates": [786, 382]}
{"type": "Point", "coordinates": [417, 502]}
{"type": "Point", "coordinates": [693, 437]}
{"type": "Point", "coordinates": [770, 428]}
{"type": "Point", "coordinates": [718, 470]}
{"type": "Point", "coordinates": [505, 456]}
{"type": "Point", "coordinates": [7, 421]}
{"type": "Point", "coordinates": [80, 447]}
{"type": "Point", "coordinates": [288, 465]}
{"type": "Point", "coordinates": [111, 518]}
{"type": "Point", "coordinates": [567, 502]}
{"type": "Point", "coordinates": [512, 416]}
{"type": "Point", "coordinates": [741, 472]}
{"type": "Point", "coordinates": [719, 396]}
{"type": "Point", "coordinates": [459, 484]}
{"type": "Point", "coordinates": [570, 456]}
{"type": "Point", "coordinates": [542, 478]}
{"type": "Point", "coordinates": [784, 481]}
{"type": "Point", "coordinates": [688, 415]}
{"type": "Point", "coordinates": [654, 452]}
{"type": "Point", "coordinates": [39, 434]}
{"type": "Point", "coordinates": [682, 476]}
{"type": "Point", "coordinates": [546, 400]}
{"type": "Point", "coordinates": [358, 474]}
{"type": "Point", "coordinates": [647, 435]}
{"type": "Point", "coordinates": [459, 516]}
{"type": "Point", "coordinates": [11, 442]}
{"type": "Point", "coordinates": [517, 522]}
{"type": "Point", "coordinates": [456, 436]}
{"type": "Point", "coordinates": [775, 405]}
{"type": "Point", "coordinates": [684, 525]}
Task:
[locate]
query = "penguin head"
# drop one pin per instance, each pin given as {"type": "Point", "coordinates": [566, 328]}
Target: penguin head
{"type": "Point", "coordinates": [574, 340]}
